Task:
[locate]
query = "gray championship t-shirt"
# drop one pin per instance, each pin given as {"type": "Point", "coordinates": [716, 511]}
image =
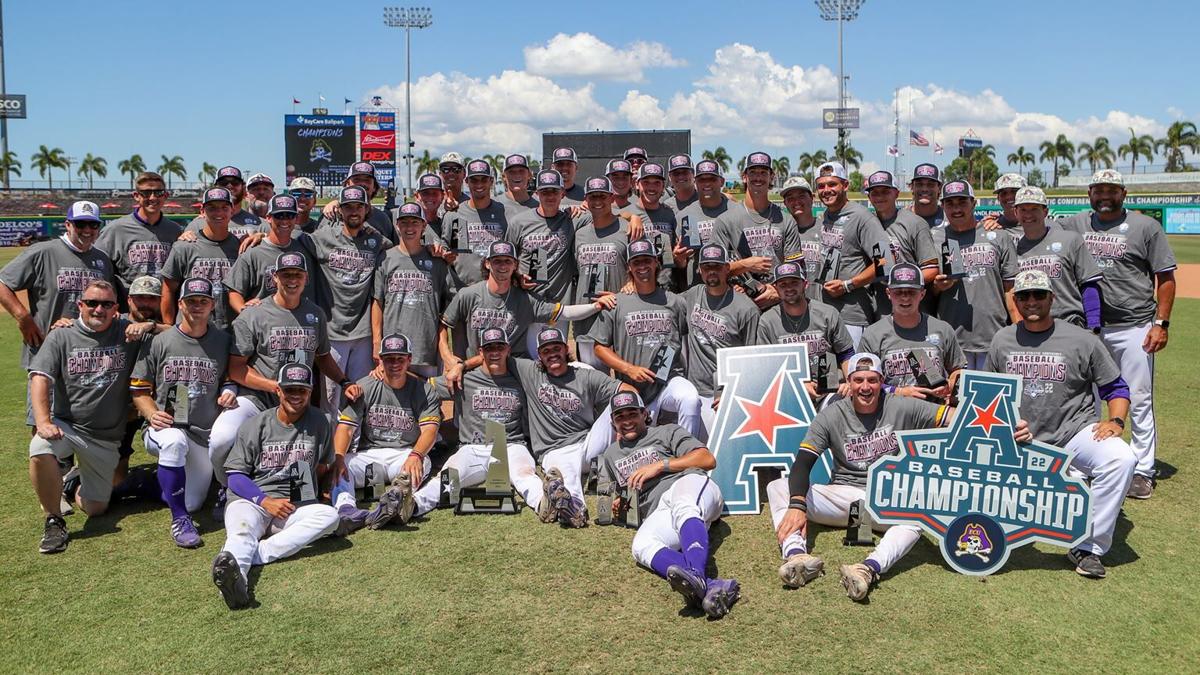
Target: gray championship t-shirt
{"type": "Point", "coordinates": [385, 417]}
{"type": "Point", "coordinates": [771, 233]}
{"type": "Point", "coordinates": [730, 320]}
{"type": "Point", "coordinates": [622, 458]}
{"type": "Point", "coordinates": [597, 249]}
{"type": "Point", "coordinates": [1061, 368]}
{"type": "Point", "coordinates": [938, 219]}
{"type": "Point", "coordinates": [266, 449]}
{"type": "Point", "coordinates": [241, 224]}
{"type": "Point", "coordinates": [975, 305]}
{"type": "Point", "coordinates": [639, 326]}
{"type": "Point", "coordinates": [515, 207]}
{"type": "Point", "coordinates": [812, 251]}
{"type": "Point", "coordinates": [892, 343]}
{"type": "Point", "coordinates": [553, 240]}
{"type": "Point", "coordinates": [379, 219]}
{"type": "Point", "coordinates": [659, 227]}
{"type": "Point", "coordinates": [910, 242]}
{"type": "Point", "coordinates": [854, 231]}
{"type": "Point", "coordinates": [476, 308]}
{"type": "Point", "coordinates": [1062, 255]}
{"type": "Point", "coordinates": [820, 329]}
{"type": "Point", "coordinates": [348, 265]}
{"type": "Point", "coordinates": [136, 247]}
{"type": "Point", "coordinates": [702, 221]}
{"type": "Point", "coordinates": [563, 408]}
{"type": "Point", "coordinates": [477, 229]}
{"type": "Point", "coordinates": [205, 259]}
{"type": "Point", "coordinates": [252, 274]}
{"type": "Point", "coordinates": [574, 195]}
{"type": "Point", "coordinates": [414, 290]}
{"type": "Point", "coordinates": [269, 336]}
{"type": "Point", "coordinates": [486, 399]}
{"type": "Point", "coordinates": [175, 358]}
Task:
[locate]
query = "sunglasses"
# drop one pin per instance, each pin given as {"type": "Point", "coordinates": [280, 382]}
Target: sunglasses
{"type": "Point", "coordinates": [450, 169]}
{"type": "Point", "coordinates": [1036, 295]}
{"type": "Point", "coordinates": [91, 224]}
{"type": "Point", "coordinates": [228, 182]}
{"type": "Point", "coordinates": [105, 304]}
{"type": "Point", "coordinates": [151, 193]}
{"type": "Point", "coordinates": [303, 194]}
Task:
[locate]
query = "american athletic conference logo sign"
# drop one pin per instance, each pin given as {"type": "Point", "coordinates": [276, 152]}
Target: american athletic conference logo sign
{"type": "Point", "coordinates": [764, 414]}
{"type": "Point", "coordinates": [974, 488]}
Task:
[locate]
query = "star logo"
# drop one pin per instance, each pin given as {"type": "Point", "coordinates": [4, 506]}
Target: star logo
{"type": "Point", "coordinates": [985, 418]}
{"type": "Point", "coordinates": [763, 416]}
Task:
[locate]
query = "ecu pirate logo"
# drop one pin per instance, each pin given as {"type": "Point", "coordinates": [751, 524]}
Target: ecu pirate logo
{"type": "Point", "coordinates": [977, 491]}
{"type": "Point", "coordinates": [764, 414]}
{"type": "Point", "coordinates": [320, 151]}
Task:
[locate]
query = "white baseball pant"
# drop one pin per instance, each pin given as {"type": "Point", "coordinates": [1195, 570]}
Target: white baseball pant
{"type": "Point", "coordinates": [856, 333]}
{"type": "Point", "coordinates": [471, 462]}
{"type": "Point", "coordinates": [392, 459]}
{"type": "Point", "coordinates": [1137, 367]}
{"type": "Point", "coordinates": [356, 359]}
{"type": "Point", "coordinates": [680, 397]}
{"type": "Point", "coordinates": [246, 524]}
{"type": "Point", "coordinates": [1110, 465]}
{"type": "Point", "coordinates": [224, 433]}
{"type": "Point", "coordinates": [174, 448]}
{"type": "Point", "coordinates": [830, 505]}
{"type": "Point", "coordinates": [691, 496]}
{"type": "Point", "coordinates": [585, 351]}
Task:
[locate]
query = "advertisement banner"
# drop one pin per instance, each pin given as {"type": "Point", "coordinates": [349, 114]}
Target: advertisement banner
{"type": "Point", "coordinates": [320, 147]}
{"type": "Point", "coordinates": [1183, 221]}
{"type": "Point", "coordinates": [377, 143]}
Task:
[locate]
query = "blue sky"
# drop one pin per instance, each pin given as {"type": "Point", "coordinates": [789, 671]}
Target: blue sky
{"type": "Point", "coordinates": [212, 83]}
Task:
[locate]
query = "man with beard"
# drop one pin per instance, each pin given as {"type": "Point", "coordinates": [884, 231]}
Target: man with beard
{"type": "Point", "coordinates": [478, 222]}
{"type": "Point", "coordinates": [657, 219]}
{"type": "Point", "coordinates": [516, 185]}
{"type": "Point", "coordinates": [683, 182]}
{"type": "Point", "coordinates": [546, 233]}
{"type": "Point", "coordinates": [251, 279]}
{"type": "Point", "coordinates": [138, 244]}
{"type": "Point", "coordinates": [362, 174]}
{"type": "Point", "coordinates": [1006, 193]}
{"type": "Point", "coordinates": [210, 256]}
{"type": "Point", "coordinates": [600, 244]}
{"type": "Point", "coordinates": [564, 162]}
{"type": "Point", "coordinates": [240, 221]}
{"type": "Point", "coordinates": [926, 185]}
{"type": "Point", "coordinates": [1063, 256]}
{"type": "Point", "coordinates": [798, 199]}
{"type": "Point", "coordinates": [702, 213]}
{"type": "Point", "coordinates": [636, 157]}
{"type": "Point", "coordinates": [260, 189]}
{"type": "Point", "coordinates": [908, 235]}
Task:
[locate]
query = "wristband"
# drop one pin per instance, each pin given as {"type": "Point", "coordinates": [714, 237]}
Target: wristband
{"type": "Point", "coordinates": [1118, 421]}
{"type": "Point", "coordinates": [848, 285]}
{"type": "Point", "coordinates": [666, 466]}
{"type": "Point", "coordinates": [345, 383]}
{"type": "Point", "coordinates": [798, 502]}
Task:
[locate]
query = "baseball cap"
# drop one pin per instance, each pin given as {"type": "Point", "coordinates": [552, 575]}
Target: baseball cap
{"type": "Point", "coordinates": [295, 375]}
{"type": "Point", "coordinates": [290, 261]}
{"type": "Point", "coordinates": [758, 159]}
{"type": "Point", "coordinates": [865, 361]}
{"type": "Point", "coordinates": [353, 194]}
{"type": "Point", "coordinates": [625, 399]}
{"type": "Point", "coordinates": [491, 336]}
{"type": "Point", "coordinates": [283, 204]}
{"type": "Point", "coordinates": [229, 172]}
{"type": "Point", "coordinates": [301, 183]}
{"type": "Point", "coordinates": [430, 181]}
{"type": "Point", "coordinates": [636, 152]}
{"type": "Point", "coordinates": [906, 275]}
{"type": "Point", "coordinates": [501, 249]}
{"type": "Point", "coordinates": [361, 169]}
{"type": "Point", "coordinates": [564, 155]}
{"type": "Point", "coordinates": [618, 166]}
{"type": "Point", "coordinates": [651, 170]}
{"type": "Point", "coordinates": [84, 210]}
{"type": "Point", "coordinates": [256, 178]}
{"type": "Point", "coordinates": [549, 336]}
{"type": "Point", "coordinates": [882, 179]}
{"type": "Point", "coordinates": [957, 188]}
{"type": "Point", "coordinates": [1031, 280]}
{"type": "Point", "coordinates": [834, 169]}
{"type": "Point", "coordinates": [638, 248]}
{"type": "Point", "coordinates": [597, 184]}
{"type": "Point", "coordinates": [795, 183]}
{"type": "Point", "coordinates": [196, 286]}
{"type": "Point", "coordinates": [1107, 177]}
{"type": "Point", "coordinates": [411, 210]}
{"type": "Point", "coordinates": [1009, 181]}
{"type": "Point", "coordinates": [927, 170]}
{"type": "Point", "coordinates": [714, 254]}
{"type": "Point", "coordinates": [790, 270]}
{"type": "Point", "coordinates": [1030, 194]}
{"type": "Point", "coordinates": [217, 194]}
{"type": "Point", "coordinates": [394, 344]}
{"type": "Point", "coordinates": [549, 179]}
{"type": "Point", "coordinates": [146, 285]}
{"type": "Point", "coordinates": [515, 161]}
{"type": "Point", "coordinates": [708, 167]}
{"type": "Point", "coordinates": [451, 158]}
{"type": "Point", "coordinates": [680, 162]}
{"type": "Point", "coordinates": [479, 167]}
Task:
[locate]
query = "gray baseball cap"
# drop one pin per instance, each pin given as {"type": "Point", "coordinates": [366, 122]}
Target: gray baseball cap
{"type": "Point", "coordinates": [290, 261]}
{"type": "Point", "coordinates": [196, 286]}
{"type": "Point", "coordinates": [790, 270]}
{"type": "Point", "coordinates": [638, 248]}
{"type": "Point", "coordinates": [597, 184]}
{"type": "Point", "coordinates": [548, 336]}
{"type": "Point", "coordinates": [957, 188]}
{"type": "Point", "coordinates": [295, 375]}
{"type": "Point", "coordinates": [795, 183]}
{"type": "Point", "coordinates": [714, 254]}
{"type": "Point", "coordinates": [491, 336]}
{"type": "Point", "coordinates": [146, 285]}
{"type": "Point", "coordinates": [626, 399]}
{"type": "Point", "coordinates": [906, 275]}
{"type": "Point", "coordinates": [395, 344]}
{"type": "Point", "coordinates": [1031, 280]}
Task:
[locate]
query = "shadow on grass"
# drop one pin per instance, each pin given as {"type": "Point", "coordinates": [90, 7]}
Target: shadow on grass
{"type": "Point", "coordinates": [109, 521]}
{"type": "Point", "coordinates": [1164, 471]}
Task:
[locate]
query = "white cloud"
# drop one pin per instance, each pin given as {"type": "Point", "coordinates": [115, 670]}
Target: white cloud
{"type": "Point", "coordinates": [587, 56]}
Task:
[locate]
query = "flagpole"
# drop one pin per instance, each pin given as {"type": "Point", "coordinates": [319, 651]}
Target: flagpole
{"type": "Point", "coordinates": [896, 157]}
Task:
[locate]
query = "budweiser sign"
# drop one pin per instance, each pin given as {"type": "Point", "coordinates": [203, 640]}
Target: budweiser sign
{"type": "Point", "coordinates": [379, 139]}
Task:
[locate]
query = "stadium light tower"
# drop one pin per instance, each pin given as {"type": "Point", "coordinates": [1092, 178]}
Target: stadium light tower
{"type": "Point", "coordinates": [408, 18]}
{"type": "Point", "coordinates": [840, 11]}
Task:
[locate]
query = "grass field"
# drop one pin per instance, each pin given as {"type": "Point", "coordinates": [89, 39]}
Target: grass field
{"type": "Point", "coordinates": [1186, 248]}
{"type": "Point", "coordinates": [497, 594]}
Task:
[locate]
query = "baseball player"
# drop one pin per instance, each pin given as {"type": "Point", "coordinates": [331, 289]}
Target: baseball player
{"type": "Point", "coordinates": [516, 185]}
{"type": "Point", "coordinates": [798, 199]}
{"type": "Point", "coordinates": [361, 174]}
{"type": "Point", "coordinates": [240, 222]}
{"type": "Point", "coordinates": [1005, 189]}
{"type": "Point", "coordinates": [636, 157]}
{"type": "Point", "coordinates": [188, 361]}
{"type": "Point", "coordinates": [702, 212]}
{"type": "Point", "coordinates": [717, 318]}
{"type": "Point", "coordinates": [565, 425]}
{"type": "Point", "coordinates": [393, 424]}
{"type": "Point", "coordinates": [251, 279]}
{"type": "Point", "coordinates": [1063, 256]}
{"type": "Point", "coordinates": [475, 223]}
{"type": "Point", "coordinates": [657, 219]}
{"type": "Point", "coordinates": [908, 330]}
{"type": "Point", "coordinates": [79, 392]}
{"type": "Point", "coordinates": [304, 190]}
{"type": "Point", "coordinates": [210, 256]}
{"type": "Point", "coordinates": [600, 243]}
{"type": "Point", "coordinates": [138, 244]}
{"type": "Point", "coordinates": [1138, 292]}
{"type": "Point", "coordinates": [816, 325]}
{"type": "Point", "coordinates": [548, 233]}
{"type": "Point", "coordinates": [260, 188]}
{"type": "Point", "coordinates": [677, 502]}
{"type": "Point", "coordinates": [620, 172]}
{"type": "Point", "coordinates": [566, 164]}
{"type": "Point", "coordinates": [682, 175]}
{"type": "Point", "coordinates": [926, 187]}
{"type": "Point", "coordinates": [907, 233]}
{"type": "Point", "coordinates": [450, 168]}
{"type": "Point", "coordinates": [978, 304]}
{"type": "Point", "coordinates": [412, 288]}
{"type": "Point", "coordinates": [646, 326]}
{"type": "Point", "coordinates": [273, 471]}
{"type": "Point", "coordinates": [1063, 367]}
{"type": "Point", "coordinates": [850, 228]}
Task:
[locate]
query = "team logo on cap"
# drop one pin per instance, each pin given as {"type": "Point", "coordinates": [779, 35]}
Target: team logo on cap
{"type": "Point", "coordinates": [626, 399]}
{"type": "Point", "coordinates": [564, 153]}
{"type": "Point", "coordinates": [550, 335]}
{"type": "Point", "coordinates": [707, 166]}
{"type": "Point", "coordinates": [634, 152]}
{"type": "Point", "coordinates": [515, 160]}
{"type": "Point", "coordinates": [353, 193]}
{"type": "Point", "coordinates": [712, 253]}
{"type": "Point", "coordinates": [639, 247]}
{"type": "Point", "coordinates": [229, 172]}
{"type": "Point", "coordinates": [759, 159]}
{"type": "Point", "coordinates": [198, 286]}
{"type": "Point", "coordinates": [493, 335]}
{"type": "Point", "coordinates": [788, 269]}
{"type": "Point", "coordinates": [395, 343]}
{"type": "Point", "coordinates": [880, 178]}
{"type": "Point", "coordinates": [926, 171]}
{"type": "Point", "coordinates": [502, 248]}
{"type": "Point", "coordinates": [680, 160]}
{"type": "Point", "coordinates": [285, 202]}
{"type": "Point", "coordinates": [904, 274]}
{"type": "Point", "coordinates": [651, 169]}
{"type": "Point", "coordinates": [620, 165]}
{"type": "Point", "coordinates": [291, 260]}
{"type": "Point", "coordinates": [362, 167]}
{"type": "Point", "coordinates": [547, 178]}
{"type": "Point", "coordinates": [86, 207]}
{"type": "Point", "coordinates": [411, 209]}
{"type": "Point", "coordinates": [479, 167]}
{"type": "Point", "coordinates": [217, 195]}
{"type": "Point", "coordinates": [295, 374]}
{"type": "Point", "coordinates": [431, 180]}
{"type": "Point", "coordinates": [956, 187]}
{"type": "Point", "coordinates": [597, 184]}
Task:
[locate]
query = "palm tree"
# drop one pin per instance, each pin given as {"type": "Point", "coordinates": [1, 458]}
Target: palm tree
{"type": "Point", "coordinates": [1060, 149]}
{"type": "Point", "coordinates": [45, 160]}
{"type": "Point", "coordinates": [1021, 158]}
{"type": "Point", "coordinates": [9, 164]}
{"type": "Point", "coordinates": [172, 166]}
{"type": "Point", "coordinates": [988, 151]}
{"type": "Point", "coordinates": [1096, 154]}
{"type": "Point", "coordinates": [496, 161]}
{"type": "Point", "coordinates": [206, 172]}
{"type": "Point", "coordinates": [91, 166]}
{"type": "Point", "coordinates": [808, 162]}
{"type": "Point", "coordinates": [850, 156]}
{"type": "Point", "coordinates": [1138, 146]}
{"type": "Point", "coordinates": [1180, 135]}
{"type": "Point", "coordinates": [132, 166]}
{"type": "Point", "coordinates": [427, 163]}
{"type": "Point", "coordinates": [781, 166]}
{"type": "Point", "coordinates": [720, 156]}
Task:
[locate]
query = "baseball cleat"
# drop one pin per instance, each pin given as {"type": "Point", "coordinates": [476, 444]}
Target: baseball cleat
{"type": "Point", "coordinates": [857, 580]}
{"type": "Point", "coordinates": [403, 483]}
{"type": "Point", "coordinates": [229, 580]}
{"type": "Point", "coordinates": [552, 484]}
{"type": "Point", "coordinates": [801, 568]}
{"type": "Point", "coordinates": [54, 536]}
{"type": "Point", "coordinates": [572, 512]}
{"type": "Point", "coordinates": [1142, 487]}
{"type": "Point", "coordinates": [687, 583]}
{"type": "Point", "coordinates": [392, 504]}
{"type": "Point", "coordinates": [184, 532]}
{"type": "Point", "coordinates": [350, 519]}
{"type": "Point", "coordinates": [1087, 564]}
{"type": "Point", "coordinates": [720, 596]}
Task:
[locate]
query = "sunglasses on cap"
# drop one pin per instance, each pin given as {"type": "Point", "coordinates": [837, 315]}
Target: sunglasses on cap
{"type": "Point", "coordinates": [105, 304]}
{"type": "Point", "coordinates": [1036, 295]}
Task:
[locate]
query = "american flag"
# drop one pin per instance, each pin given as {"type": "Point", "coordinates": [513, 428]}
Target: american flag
{"type": "Point", "coordinates": [893, 151]}
{"type": "Point", "coordinates": [915, 138]}
{"type": "Point", "coordinates": [937, 148]}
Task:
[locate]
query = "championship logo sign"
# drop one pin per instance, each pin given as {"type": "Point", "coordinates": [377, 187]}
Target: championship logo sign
{"type": "Point", "coordinates": [764, 414]}
{"type": "Point", "coordinates": [974, 488]}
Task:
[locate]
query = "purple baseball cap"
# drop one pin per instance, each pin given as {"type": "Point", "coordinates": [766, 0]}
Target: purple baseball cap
{"type": "Point", "coordinates": [84, 211]}
{"type": "Point", "coordinates": [597, 184]}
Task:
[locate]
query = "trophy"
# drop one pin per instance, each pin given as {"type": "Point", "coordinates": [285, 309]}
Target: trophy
{"type": "Point", "coordinates": [687, 235]}
{"type": "Point", "coordinates": [178, 403]}
{"type": "Point", "coordinates": [375, 482]}
{"type": "Point", "coordinates": [299, 356]}
{"type": "Point", "coordinates": [858, 529]}
{"type": "Point", "coordinates": [496, 495]}
{"type": "Point", "coordinates": [604, 503]}
{"type": "Point", "coordinates": [952, 262]}
{"type": "Point", "coordinates": [752, 286]}
{"type": "Point", "coordinates": [455, 240]}
{"type": "Point", "coordinates": [632, 510]}
{"type": "Point", "coordinates": [301, 490]}
{"type": "Point", "coordinates": [450, 488]}
{"type": "Point", "coordinates": [828, 375]}
{"type": "Point", "coordinates": [535, 266]}
{"type": "Point", "coordinates": [661, 364]}
{"type": "Point", "coordinates": [925, 372]}
{"type": "Point", "coordinates": [883, 262]}
{"type": "Point", "coordinates": [597, 281]}
{"type": "Point", "coordinates": [831, 265]}
{"type": "Point", "coordinates": [665, 255]}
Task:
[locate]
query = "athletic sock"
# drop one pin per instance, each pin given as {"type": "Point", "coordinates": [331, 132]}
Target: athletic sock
{"type": "Point", "coordinates": [664, 559]}
{"type": "Point", "coordinates": [693, 538]}
{"type": "Point", "coordinates": [172, 479]}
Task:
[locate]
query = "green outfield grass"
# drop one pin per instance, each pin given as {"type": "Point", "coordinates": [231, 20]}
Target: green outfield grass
{"type": "Point", "coordinates": [504, 594]}
{"type": "Point", "coordinates": [1186, 248]}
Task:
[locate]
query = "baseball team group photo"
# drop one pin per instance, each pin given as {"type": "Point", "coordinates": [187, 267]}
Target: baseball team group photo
{"type": "Point", "coordinates": [608, 351]}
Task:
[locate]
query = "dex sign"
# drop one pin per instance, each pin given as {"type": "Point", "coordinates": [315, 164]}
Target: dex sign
{"type": "Point", "coordinates": [12, 106]}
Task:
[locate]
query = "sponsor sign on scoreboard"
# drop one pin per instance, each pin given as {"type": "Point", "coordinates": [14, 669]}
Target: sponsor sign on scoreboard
{"type": "Point", "coordinates": [320, 147]}
{"type": "Point", "coordinates": [377, 143]}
